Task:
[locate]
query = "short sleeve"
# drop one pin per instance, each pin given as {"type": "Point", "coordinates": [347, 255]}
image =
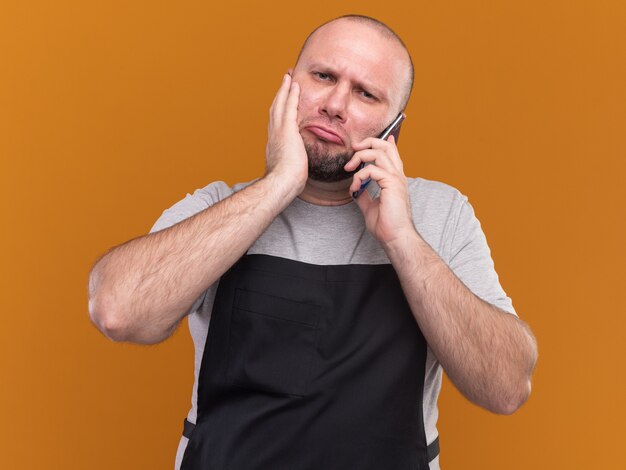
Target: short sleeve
{"type": "Point", "coordinates": [471, 260]}
{"type": "Point", "coordinates": [200, 200]}
{"type": "Point", "coordinates": [192, 204]}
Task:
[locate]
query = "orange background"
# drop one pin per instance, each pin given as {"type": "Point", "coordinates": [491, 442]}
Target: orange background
{"type": "Point", "coordinates": [112, 111]}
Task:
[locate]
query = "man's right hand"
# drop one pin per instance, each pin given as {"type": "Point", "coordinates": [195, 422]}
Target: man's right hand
{"type": "Point", "coordinates": [285, 152]}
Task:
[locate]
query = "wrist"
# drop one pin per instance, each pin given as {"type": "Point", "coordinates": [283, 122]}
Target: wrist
{"type": "Point", "coordinates": [284, 183]}
{"type": "Point", "coordinates": [408, 247]}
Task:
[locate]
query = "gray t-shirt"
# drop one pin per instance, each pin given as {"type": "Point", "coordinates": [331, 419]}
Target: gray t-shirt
{"type": "Point", "coordinates": [337, 235]}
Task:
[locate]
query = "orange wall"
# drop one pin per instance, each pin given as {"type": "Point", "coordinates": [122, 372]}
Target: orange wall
{"type": "Point", "coordinates": [112, 111]}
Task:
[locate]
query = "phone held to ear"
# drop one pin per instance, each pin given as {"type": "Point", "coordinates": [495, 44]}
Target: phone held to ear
{"type": "Point", "coordinates": [392, 129]}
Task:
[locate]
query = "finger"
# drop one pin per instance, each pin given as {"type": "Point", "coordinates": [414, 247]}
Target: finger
{"type": "Point", "coordinates": [371, 142]}
{"type": "Point", "coordinates": [282, 83]}
{"type": "Point", "coordinates": [383, 178]}
{"type": "Point", "coordinates": [375, 156]}
{"type": "Point", "coordinates": [388, 147]}
{"type": "Point", "coordinates": [277, 109]}
{"type": "Point", "coordinates": [291, 107]}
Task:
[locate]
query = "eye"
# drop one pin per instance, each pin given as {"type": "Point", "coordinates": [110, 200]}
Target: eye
{"type": "Point", "coordinates": [367, 95]}
{"type": "Point", "coordinates": [322, 76]}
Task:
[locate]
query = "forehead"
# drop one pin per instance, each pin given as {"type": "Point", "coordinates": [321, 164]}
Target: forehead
{"type": "Point", "coordinates": [361, 51]}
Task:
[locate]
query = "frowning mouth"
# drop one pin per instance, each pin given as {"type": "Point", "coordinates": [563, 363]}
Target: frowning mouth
{"type": "Point", "coordinates": [325, 134]}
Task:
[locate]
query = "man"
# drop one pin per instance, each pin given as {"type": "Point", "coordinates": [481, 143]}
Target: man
{"type": "Point", "coordinates": [330, 317]}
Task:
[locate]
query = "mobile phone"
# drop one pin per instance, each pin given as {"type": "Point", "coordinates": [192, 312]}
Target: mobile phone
{"type": "Point", "coordinates": [391, 129]}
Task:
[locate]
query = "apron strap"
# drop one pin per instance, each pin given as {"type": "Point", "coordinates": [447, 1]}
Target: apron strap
{"type": "Point", "coordinates": [188, 428]}
{"type": "Point", "coordinates": [432, 451]}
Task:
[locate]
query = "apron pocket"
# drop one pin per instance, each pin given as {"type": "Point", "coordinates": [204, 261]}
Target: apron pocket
{"type": "Point", "coordinates": [272, 343]}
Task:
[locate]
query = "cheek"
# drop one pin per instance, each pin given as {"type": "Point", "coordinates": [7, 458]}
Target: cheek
{"type": "Point", "coordinates": [366, 125]}
{"type": "Point", "coordinates": [307, 107]}
{"type": "Point", "coordinates": [305, 102]}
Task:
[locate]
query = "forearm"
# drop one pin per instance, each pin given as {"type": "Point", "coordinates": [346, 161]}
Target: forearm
{"type": "Point", "coordinates": [139, 291]}
{"type": "Point", "coordinates": [488, 354]}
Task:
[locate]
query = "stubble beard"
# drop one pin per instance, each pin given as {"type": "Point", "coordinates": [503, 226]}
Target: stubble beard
{"type": "Point", "coordinates": [325, 166]}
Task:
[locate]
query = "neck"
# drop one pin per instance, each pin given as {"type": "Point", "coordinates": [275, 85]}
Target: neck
{"type": "Point", "coordinates": [327, 194]}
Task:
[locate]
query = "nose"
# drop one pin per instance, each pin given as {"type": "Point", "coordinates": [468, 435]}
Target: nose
{"type": "Point", "coordinates": [335, 102]}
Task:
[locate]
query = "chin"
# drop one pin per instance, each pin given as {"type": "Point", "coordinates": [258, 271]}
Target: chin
{"type": "Point", "coordinates": [325, 166]}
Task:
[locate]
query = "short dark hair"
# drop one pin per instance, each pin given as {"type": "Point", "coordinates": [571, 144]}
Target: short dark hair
{"type": "Point", "coordinates": [382, 28]}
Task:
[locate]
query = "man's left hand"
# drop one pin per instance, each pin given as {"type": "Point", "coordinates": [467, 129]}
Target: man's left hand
{"type": "Point", "coordinates": [388, 217]}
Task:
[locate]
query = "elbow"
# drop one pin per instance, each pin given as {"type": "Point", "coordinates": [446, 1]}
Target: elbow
{"type": "Point", "coordinates": [115, 318]}
{"type": "Point", "coordinates": [106, 318]}
{"type": "Point", "coordinates": [104, 310]}
{"type": "Point", "coordinates": [113, 323]}
{"type": "Point", "coordinates": [514, 402]}
{"type": "Point", "coordinates": [101, 306]}
{"type": "Point", "coordinates": [521, 393]}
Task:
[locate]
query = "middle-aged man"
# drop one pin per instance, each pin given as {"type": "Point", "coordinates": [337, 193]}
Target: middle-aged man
{"type": "Point", "coordinates": [331, 314]}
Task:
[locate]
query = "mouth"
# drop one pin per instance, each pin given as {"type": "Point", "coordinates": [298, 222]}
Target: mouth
{"type": "Point", "coordinates": [325, 134]}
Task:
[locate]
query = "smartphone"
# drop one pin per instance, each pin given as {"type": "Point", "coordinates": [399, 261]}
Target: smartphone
{"type": "Point", "coordinates": [391, 129]}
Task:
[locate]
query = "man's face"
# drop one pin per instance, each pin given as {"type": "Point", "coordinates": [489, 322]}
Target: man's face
{"type": "Point", "coordinates": [352, 80]}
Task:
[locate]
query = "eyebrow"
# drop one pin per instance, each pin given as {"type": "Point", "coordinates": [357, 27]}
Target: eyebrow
{"type": "Point", "coordinates": [378, 92]}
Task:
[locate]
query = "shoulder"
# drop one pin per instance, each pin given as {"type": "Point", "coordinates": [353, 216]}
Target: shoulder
{"type": "Point", "coordinates": [433, 191]}
{"type": "Point", "coordinates": [435, 208]}
{"type": "Point", "coordinates": [197, 201]}
{"type": "Point", "coordinates": [215, 192]}
{"type": "Point", "coordinates": [434, 200]}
